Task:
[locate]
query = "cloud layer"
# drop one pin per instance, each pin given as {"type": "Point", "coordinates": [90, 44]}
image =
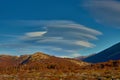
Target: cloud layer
{"type": "Point", "coordinates": [56, 36]}
{"type": "Point", "coordinates": [62, 35]}
{"type": "Point", "coordinates": [105, 11]}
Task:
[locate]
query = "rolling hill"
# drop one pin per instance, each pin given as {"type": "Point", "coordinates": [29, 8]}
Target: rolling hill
{"type": "Point", "coordinates": [38, 62]}
{"type": "Point", "coordinates": [40, 66]}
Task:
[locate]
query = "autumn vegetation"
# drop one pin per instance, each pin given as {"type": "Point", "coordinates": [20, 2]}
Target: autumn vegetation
{"type": "Point", "coordinates": [41, 66]}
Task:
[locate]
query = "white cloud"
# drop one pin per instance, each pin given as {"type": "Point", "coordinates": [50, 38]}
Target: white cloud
{"type": "Point", "coordinates": [63, 34]}
{"type": "Point", "coordinates": [104, 11]}
{"type": "Point", "coordinates": [75, 55]}
{"type": "Point", "coordinates": [63, 24]}
{"type": "Point", "coordinates": [84, 43]}
{"type": "Point", "coordinates": [64, 56]}
{"type": "Point", "coordinates": [60, 36]}
{"type": "Point", "coordinates": [35, 34]}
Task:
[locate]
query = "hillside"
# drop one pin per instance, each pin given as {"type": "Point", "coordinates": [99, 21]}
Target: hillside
{"type": "Point", "coordinates": [43, 61]}
{"type": "Point", "coordinates": [40, 66]}
{"type": "Point", "coordinates": [6, 60]}
{"type": "Point", "coordinates": [39, 61]}
{"type": "Point", "coordinates": [112, 53]}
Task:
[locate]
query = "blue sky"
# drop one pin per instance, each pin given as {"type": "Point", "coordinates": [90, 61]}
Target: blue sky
{"type": "Point", "coordinates": [58, 27]}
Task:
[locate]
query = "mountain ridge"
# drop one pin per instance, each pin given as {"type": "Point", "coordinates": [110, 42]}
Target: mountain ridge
{"type": "Point", "coordinates": [39, 58]}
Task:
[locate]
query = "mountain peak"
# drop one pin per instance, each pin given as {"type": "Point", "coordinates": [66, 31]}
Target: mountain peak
{"type": "Point", "coordinates": [39, 55]}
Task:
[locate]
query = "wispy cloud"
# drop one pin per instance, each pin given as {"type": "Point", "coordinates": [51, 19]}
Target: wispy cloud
{"type": "Point", "coordinates": [35, 34]}
{"type": "Point", "coordinates": [105, 11]}
{"type": "Point", "coordinates": [62, 36]}
{"type": "Point", "coordinates": [85, 44]}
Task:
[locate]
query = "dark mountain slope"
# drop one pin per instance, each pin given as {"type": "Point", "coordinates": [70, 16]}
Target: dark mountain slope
{"type": "Point", "coordinates": [112, 53]}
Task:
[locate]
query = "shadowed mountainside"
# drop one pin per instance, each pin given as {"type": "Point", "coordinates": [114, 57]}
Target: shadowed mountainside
{"type": "Point", "coordinates": [112, 53]}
